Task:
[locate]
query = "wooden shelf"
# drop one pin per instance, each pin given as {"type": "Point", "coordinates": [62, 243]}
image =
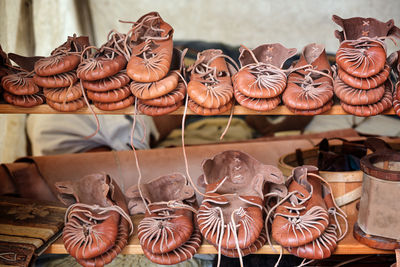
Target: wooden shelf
{"type": "Point", "coordinates": [239, 110]}
{"type": "Point", "coordinates": [347, 246]}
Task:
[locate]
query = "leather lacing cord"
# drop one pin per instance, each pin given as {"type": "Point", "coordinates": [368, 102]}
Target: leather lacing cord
{"type": "Point", "coordinates": [174, 204]}
{"type": "Point", "coordinates": [91, 111]}
{"type": "Point", "coordinates": [240, 211]}
{"type": "Point", "coordinates": [136, 158]}
{"type": "Point", "coordinates": [126, 51]}
{"type": "Point", "coordinates": [8, 256]}
{"type": "Point", "coordinates": [210, 75]}
{"type": "Point", "coordinates": [99, 210]}
{"type": "Point", "coordinates": [214, 220]}
{"type": "Point", "coordinates": [134, 150]}
{"type": "Point", "coordinates": [335, 211]}
{"type": "Point", "coordinates": [148, 39]}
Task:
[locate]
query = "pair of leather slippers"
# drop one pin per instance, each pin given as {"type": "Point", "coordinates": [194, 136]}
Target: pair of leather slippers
{"type": "Point", "coordinates": [261, 80]}
{"type": "Point", "coordinates": [306, 220]}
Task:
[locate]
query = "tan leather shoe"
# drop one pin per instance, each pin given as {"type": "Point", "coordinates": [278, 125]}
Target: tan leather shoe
{"type": "Point", "coordinates": [354, 96]}
{"type": "Point", "coordinates": [159, 88]}
{"type": "Point", "coordinates": [362, 53]}
{"type": "Point", "coordinates": [372, 109]}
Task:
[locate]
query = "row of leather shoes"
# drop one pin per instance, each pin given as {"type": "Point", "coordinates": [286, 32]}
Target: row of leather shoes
{"type": "Point", "coordinates": [146, 55]}
{"type": "Point", "coordinates": [230, 217]}
{"type": "Point", "coordinates": [238, 191]}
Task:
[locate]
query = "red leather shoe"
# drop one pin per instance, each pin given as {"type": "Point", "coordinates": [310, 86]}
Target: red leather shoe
{"type": "Point", "coordinates": [107, 61]}
{"type": "Point", "coordinates": [261, 74]}
{"type": "Point", "coordinates": [362, 53]}
{"type": "Point", "coordinates": [323, 246]}
{"type": "Point", "coordinates": [210, 83]}
{"type": "Point", "coordinates": [310, 85]}
{"type": "Point", "coordinates": [64, 58]}
{"type": "Point", "coordinates": [152, 45]}
{"type": "Point", "coordinates": [167, 204]}
{"type": "Point", "coordinates": [231, 214]}
{"type": "Point", "coordinates": [303, 217]}
{"type": "Point", "coordinates": [97, 225]}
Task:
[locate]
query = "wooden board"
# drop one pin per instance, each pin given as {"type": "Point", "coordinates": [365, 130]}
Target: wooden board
{"type": "Point", "coordinates": [347, 246]}
{"type": "Point", "coordinates": [238, 110]}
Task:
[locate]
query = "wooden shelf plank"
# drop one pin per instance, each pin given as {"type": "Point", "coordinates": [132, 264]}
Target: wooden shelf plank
{"type": "Point", "coordinates": [239, 110]}
{"type": "Point", "coordinates": [347, 246]}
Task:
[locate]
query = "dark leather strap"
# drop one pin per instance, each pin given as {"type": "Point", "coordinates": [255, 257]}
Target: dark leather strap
{"type": "Point", "coordinates": [382, 153]}
{"type": "Point", "coordinates": [368, 165]}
